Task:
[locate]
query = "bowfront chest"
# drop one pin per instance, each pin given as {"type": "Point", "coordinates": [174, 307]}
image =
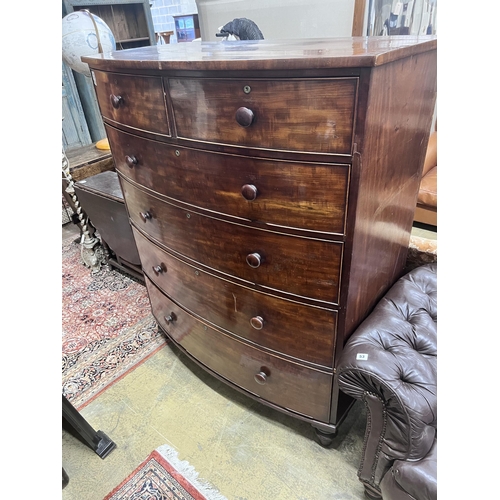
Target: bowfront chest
{"type": "Point", "coordinates": [270, 187]}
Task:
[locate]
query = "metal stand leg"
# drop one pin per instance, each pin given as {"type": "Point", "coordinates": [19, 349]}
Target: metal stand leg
{"type": "Point", "coordinates": [97, 441]}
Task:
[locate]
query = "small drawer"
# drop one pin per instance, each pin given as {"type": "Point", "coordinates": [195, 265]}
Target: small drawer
{"type": "Point", "coordinates": [134, 101]}
{"type": "Point", "coordinates": [306, 115]}
{"type": "Point", "coordinates": [304, 267]}
{"type": "Point", "coordinates": [297, 388]}
{"type": "Point", "coordinates": [282, 193]}
{"type": "Point", "coordinates": [303, 332]}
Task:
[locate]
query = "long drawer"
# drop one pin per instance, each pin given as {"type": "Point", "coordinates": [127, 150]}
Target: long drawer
{"type": "Point", "coordinates": [297, 388]}
{"type": "Point", "coordinates": [299, 266]}
{"type": "Point", "coordinates": [303, 332]}
{"type": "Point", "coordinates": [283, 193]}
{"type": "Point", "coordinates": [314, 115]}
{"type": "Point", "coordinates": [135, 101]}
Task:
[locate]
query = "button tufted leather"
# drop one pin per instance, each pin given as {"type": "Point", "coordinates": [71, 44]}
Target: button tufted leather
{"type": "Point", "coordinates": [396, 377]}
{"type": "Point", "coordinates": [416, 479]}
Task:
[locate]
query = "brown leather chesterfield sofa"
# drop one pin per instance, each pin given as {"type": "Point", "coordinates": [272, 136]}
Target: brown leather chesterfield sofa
{"type": "Point", "coordinates": [389, 363]}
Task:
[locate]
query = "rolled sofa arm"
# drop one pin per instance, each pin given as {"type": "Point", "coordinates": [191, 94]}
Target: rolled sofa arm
{"type": "Point", "coordinates": [390, 363]}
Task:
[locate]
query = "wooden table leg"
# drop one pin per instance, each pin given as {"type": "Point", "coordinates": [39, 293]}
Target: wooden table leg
{"type": "Point", "coordinates": [77, 425]}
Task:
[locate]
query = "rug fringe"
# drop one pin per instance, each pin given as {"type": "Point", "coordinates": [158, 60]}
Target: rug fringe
{"type": "Point", "coordinates": [189, 472]}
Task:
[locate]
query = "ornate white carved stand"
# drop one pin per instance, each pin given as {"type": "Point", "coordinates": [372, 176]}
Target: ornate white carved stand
{"type": "Point", "coordinates": [92, 251]}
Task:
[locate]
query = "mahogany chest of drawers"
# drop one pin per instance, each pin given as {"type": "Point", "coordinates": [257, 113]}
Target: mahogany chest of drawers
{"type": "Point", "coordinates": [271, 187]}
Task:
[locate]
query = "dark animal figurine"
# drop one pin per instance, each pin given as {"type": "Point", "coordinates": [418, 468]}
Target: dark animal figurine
{"type": "Point", "coordinates": [240, 29]}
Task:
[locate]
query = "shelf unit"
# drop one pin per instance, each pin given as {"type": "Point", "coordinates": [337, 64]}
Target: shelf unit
{"type": "Point", "coordinates": [129, 20]}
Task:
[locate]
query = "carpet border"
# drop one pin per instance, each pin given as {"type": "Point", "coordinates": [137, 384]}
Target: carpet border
{"type": "Point", "coordinates": [208, 490]}
{"type": "Point", "coordinates": [186, 484]}
{"type": "Point", "coordinates": [130, 370]}
{"type": "Point", "coordinates": [81, 399]}
{"type": "Point", "coordinates": [181, 471]}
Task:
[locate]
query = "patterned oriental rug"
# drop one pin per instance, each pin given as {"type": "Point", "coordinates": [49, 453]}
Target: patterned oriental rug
{"type": "Point", "coordinates": [163, 476]}
{"type": "Point", "coordinates": [107, 327]}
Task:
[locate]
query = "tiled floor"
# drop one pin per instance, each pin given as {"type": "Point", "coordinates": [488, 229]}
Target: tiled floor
{"type": "Point", "coordinates": [245, 450]}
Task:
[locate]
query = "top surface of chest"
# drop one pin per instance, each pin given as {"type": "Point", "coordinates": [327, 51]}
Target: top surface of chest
{"type": "Point", "coordinates": [267, 54]}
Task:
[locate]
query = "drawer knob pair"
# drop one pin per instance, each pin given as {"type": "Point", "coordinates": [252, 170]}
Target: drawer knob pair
{"type": "Point", "coordinates": [262, 376]}
{"type": "Point", "coordinates": [162, 268]}
{"type": "Point", "coordinates": [244, 116]}
{"type": "Point", "coordinates": [116, 100]}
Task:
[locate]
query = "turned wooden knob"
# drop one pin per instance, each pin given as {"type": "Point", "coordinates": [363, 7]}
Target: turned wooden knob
{"type": "Point", "coordinates": [249, 192]}
{"type": "Point", "coordinates": [262, 376]}
{"type": "Point", "coordinates": [131, 161]}
{"type": "Point", "coordinates": [254, 260]}
{"type": "Point", "coordinates": [145, 216]}
{"type": "Point", "coordinates": [244, 116]}
{"type": "Point", "coordinates": [116, 100]}
{"type": "Point", "coordinates": [170, 318]}
{"type": "Point", "coordinates": [257, 322]}
{"type": "Point", "coordinates": [162, 268]}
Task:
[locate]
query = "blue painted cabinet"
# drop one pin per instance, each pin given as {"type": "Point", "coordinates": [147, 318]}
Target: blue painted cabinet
{"type": "Point", "coordinates": [75, 132]}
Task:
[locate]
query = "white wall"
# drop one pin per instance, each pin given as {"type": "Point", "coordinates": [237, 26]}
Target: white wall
{"type": "Point", "coordinates": [279, 18]}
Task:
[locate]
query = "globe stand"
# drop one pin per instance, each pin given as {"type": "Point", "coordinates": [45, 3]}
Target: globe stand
{"type": "Point", "coordinates": [99, 46]}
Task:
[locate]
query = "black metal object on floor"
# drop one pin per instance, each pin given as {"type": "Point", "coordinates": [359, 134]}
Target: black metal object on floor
{"type": "Point", "coordinates": [81, 429]}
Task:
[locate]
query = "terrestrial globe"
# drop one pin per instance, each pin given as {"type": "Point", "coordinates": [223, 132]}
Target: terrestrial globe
{"type": "Point", "coordinates": [81, 34]}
